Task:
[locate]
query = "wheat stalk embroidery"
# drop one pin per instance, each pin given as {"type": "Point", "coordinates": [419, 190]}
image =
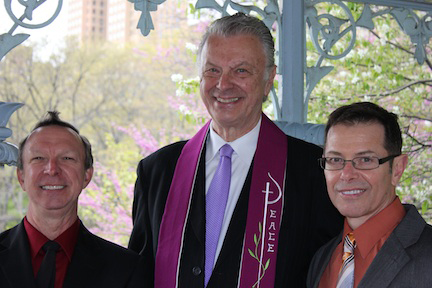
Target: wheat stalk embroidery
{"type": "Point", "coordinates": [254, 254]}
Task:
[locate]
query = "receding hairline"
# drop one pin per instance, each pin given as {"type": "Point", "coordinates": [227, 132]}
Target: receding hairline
{"type": "Point", "coordinates": [70, 130]}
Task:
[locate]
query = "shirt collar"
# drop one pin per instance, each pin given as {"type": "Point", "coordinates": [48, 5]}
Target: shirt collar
{"type": "Point", "coordinates": [375, 228]}
{"type": "Point", "coordinates": [66, 240]}
{"type": "Point", "coordinates": [244, 146]}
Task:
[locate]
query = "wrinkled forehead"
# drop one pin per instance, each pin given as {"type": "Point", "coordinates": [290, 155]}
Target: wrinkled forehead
{"type": "Point", "coordinates": [233, 51]}
{"type": "Point", "coordinates": [217, 39]}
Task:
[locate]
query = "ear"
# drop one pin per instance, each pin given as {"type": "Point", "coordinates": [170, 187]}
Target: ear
{"type": "Point", "coordinates": [399, 165]}
{"type": "Point", "coordinates": [270, 80]}
{"type": "Point", "coordinates": [87, 177]}
{"type": "Point", "coordinates": [20, 176]}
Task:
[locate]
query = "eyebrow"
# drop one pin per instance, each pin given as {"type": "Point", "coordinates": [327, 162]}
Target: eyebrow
{"type": "Point", "coordinates": [208, 63]}
{"type": "Point", "coordinates": [367, 152]}
{"type": "Point", "coordinates": [244, 63]}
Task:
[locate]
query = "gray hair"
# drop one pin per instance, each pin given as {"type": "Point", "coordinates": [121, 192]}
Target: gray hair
{"type": "Point", "coordinates": [241, 24]}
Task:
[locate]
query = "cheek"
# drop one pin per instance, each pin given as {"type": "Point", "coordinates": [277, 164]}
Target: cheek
{"type": "Point", "coordinates": [206, 84]}
{"type": "Point", "coordinates": [248, 85]}
{"type": "Point", "coordinates": [205, 91]}
{"type": "Point", "coordinates": [371, 179]}
{"type": "Point", "coordinates": [27, 177]}
{"type": "Point", "coordinates": [331, 179]}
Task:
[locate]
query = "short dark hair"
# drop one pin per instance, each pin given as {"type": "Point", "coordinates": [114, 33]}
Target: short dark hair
{"type": "Point", "coordinates": [242, 24]}
{"type": "Point", "coordinates": [367, 112]}
{"type": "Point", "coordinates": [52, 119]}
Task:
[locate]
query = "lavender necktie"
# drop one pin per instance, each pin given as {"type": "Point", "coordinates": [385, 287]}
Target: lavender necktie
{"type": "Point", "coordinates": [216, 200]}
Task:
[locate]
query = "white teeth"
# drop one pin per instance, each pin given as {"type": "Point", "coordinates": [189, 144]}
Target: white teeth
{"type": "Point", "coordinates": [52, 187]}
{"type": "Point", "coordinates": [352, 192]}
{"type": "Point", "coordinates": [227, 100]}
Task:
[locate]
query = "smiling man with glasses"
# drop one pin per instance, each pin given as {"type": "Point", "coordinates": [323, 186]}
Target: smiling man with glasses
{"type": "Point", "coordinates": [384, 243]}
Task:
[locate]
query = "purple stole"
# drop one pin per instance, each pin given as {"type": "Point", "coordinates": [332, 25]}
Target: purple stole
{"type": "Point", "coordinates": [258, 264]}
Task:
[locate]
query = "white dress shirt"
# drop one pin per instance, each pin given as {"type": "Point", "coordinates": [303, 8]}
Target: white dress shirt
{"type": "Point", "coordinates": [244, 151]}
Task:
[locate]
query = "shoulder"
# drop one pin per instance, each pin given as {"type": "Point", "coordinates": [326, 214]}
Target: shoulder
{"type": "Point", "coordinates": [109, 249]}
{"type": "Point", "coordinates": [413, 231]}
{"type": "Point", "coordinates": [8, 235]}
{"type": "Point", "coordinates": [302, 157]}
{"type": "Point", "coordinates": [427, 234]}
{"type": "Point", "coordinates": [5, 234]}
{"type": "Point", "coordinates": [119, 266]}
{"type": "Point", "coordinates": [166, 154]}
{"type": "Point", "coordinates": [300, 145]}
{"type": "Point", "coordinates": [415, 237]}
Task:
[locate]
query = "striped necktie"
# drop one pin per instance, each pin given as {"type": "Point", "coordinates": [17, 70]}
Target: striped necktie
{"type": "Point", "coordinates": [346, 275]}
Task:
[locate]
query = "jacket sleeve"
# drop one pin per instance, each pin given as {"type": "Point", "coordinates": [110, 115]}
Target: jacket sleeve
{"type": "Point", "coordinates": [154, 177]}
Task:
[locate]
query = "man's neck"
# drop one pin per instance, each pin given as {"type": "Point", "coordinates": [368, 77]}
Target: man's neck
{"type": "Point", "coordinates": [356, 222]}
{"type": "Point", "coordinates": [50, 224]}
{"type": "Point", "coordinates": [230, 134]}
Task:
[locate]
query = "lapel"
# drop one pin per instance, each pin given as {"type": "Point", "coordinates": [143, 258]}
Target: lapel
{"type": "Point", "coordinates": [14, 257]}
{"type": "Point", "coordinates": [197, 212]}
{"type": "Point", "coordinates": [324, 257]}
{"type": "Point", "coordinates": [83, 269]}
{"type": "Point", "coordinates": [392, 257]}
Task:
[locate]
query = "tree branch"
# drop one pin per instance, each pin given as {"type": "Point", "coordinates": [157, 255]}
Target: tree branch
{"type": "Point", "coordinates": [416, 117]}
{"type": "Point", "coordinates": [397, 90]}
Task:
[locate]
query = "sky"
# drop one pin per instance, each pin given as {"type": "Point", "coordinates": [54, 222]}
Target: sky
{"type": "Point", "coordinates": [53, 32]}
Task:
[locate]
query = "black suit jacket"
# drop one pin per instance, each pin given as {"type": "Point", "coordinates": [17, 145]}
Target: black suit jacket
{"type": "Point", "coordinates": [95, 262]}
{"type": "Point", "coordinates": [309, 218]}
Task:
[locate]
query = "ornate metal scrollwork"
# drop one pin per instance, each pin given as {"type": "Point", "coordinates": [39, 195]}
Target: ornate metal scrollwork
{"type": "Point", "coordinates": [325, 36]}
{"type": "Point", "coordinates": [269, 15]}
{"type": "Point", "coordinates": [325, 31]}
{"type": "Point", "coordinates": [419, 29]}
{"type": "Point", "coordinates": [8, 151]}
{"type": "Point", "coordinates": [9, 41]}
{"type": "Point", "coordinates": [145, 23]}
{"type": "Point", "coordinates": [328, 30]}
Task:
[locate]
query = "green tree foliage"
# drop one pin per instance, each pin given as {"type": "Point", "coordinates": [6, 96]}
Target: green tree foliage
{"type": "Point", "coordinates": [381, 68]}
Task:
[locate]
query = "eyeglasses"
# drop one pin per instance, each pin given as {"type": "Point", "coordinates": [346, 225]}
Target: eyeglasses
{"type": "Point", "coordinates": [360, 163]}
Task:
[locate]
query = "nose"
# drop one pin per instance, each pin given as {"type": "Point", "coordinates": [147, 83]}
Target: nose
{"type": "Point", "coordinates": [224, 81]}
{"type": "Point", "coordinates": [348, 172]}
{"type": "Point", "coordinates": [52, 168]}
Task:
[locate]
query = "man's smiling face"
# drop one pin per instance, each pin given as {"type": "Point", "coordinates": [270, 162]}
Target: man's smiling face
{"type": "Point", "coordinates": [53, 171]}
